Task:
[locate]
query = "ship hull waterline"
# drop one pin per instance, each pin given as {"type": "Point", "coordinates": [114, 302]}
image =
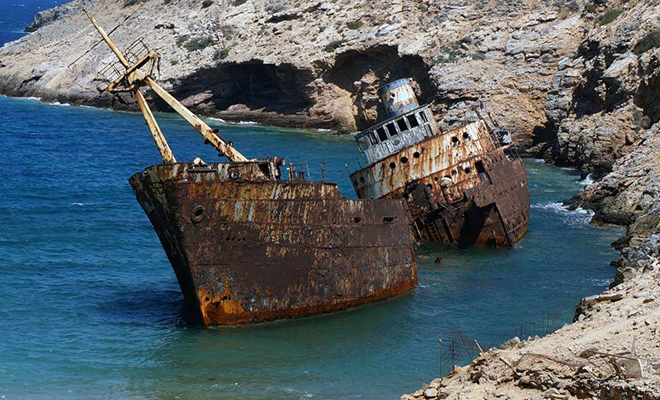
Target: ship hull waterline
{"type": "Point", "coordinates": [248, 250]}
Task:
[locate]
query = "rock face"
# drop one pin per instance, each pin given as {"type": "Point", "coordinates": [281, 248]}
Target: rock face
{"type": "Point", "coordinates": [603, 109]}
{"type": "Point", "coordinates": [604, 98]}
{"type": "Point", "coordinates": [313, 63]}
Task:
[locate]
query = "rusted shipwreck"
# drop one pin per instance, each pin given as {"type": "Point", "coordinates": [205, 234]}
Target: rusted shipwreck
{"type": "Point", "coordinates": [248, 245]}
{"type": "Point", "coordinates": [460, 185]}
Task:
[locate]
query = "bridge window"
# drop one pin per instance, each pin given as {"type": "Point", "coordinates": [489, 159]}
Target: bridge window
{"type": "Point", "coordinates": [381, 134]}
{"type": "Point", "coordinates": [392, 129]}
{"type": "Point", "coordinates": [402, 124]}
{"type": "Point", "coordinates": [424, 117]}
{"type": "Point", "coordinates": [372, 138]}
{"type": "Point", "coordinates": [412, 121]}
{"type": "Point", "coordinates": [480, 167]}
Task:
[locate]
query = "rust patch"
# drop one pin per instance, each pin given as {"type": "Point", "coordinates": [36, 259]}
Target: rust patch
{"type": "Point", "coordinates": [265, 249]}
{"type": "Point", "coordinates": [459, 185]}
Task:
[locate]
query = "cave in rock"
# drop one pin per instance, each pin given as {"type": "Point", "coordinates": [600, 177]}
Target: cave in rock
{"type": "Point", "coordinates": [259, 86]}
{"type": "Point", "coordinates": [361, 72]}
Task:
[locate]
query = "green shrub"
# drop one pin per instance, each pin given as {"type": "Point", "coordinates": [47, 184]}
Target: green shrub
{"type": "Point", "coordinates": [221, 54]}
{"type": "Point", "coordinates": [167, 1]}
{"type": "Point", "coordinates": [239, 2]}
{"type": "Point", "coordinates": [610, 16]}
{"type": "Point", "coordinates": [198, 43]}
{"type": "Point", "coordinates": [590, 8]}
{"type": "Point", "coordinates": [334, 45]}
{"type": "Point", "coordinates": [648, 42]}
{"type": "Point", "coordinates": [174, 62]}
{"type": "Point", "coordinates": [182, 39]}
{"type": "Point", "coordinates": [207, 3]}
{"type": "Point", "coordinates": [354, 24]}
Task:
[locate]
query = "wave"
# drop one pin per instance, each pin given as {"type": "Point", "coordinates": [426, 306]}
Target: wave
{"type": "Point", "coordinates": [216, 119]}
{"type": "Point", "coordinates": [579, 215]}
{"type": "Point", "coordinates": [539, 160]}
{"type": "Point", "coordinates": [25, 98]}
{"type": "Point", "coordinates": [247, 123]}
{"type": "Point", "coordinates": [588, 180]}
{"type": "Point", "coordinates": [57, 103]}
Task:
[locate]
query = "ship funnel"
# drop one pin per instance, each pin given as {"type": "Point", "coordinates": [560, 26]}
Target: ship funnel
{"type": "Point", "coordinates": [398, 97]}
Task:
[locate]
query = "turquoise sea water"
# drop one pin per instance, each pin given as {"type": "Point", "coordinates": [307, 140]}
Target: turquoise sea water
{"type": "Point", "coordinates": [91, 308]}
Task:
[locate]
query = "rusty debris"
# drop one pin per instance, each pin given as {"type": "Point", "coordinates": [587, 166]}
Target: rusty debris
{"type": "Point", "coordinates": [248, 245]}
{"type": "Point", "coordinates": [460, 185]}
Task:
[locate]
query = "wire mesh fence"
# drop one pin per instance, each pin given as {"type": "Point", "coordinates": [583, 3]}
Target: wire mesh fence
{"type": "Point", "coordinates": [458, 348]}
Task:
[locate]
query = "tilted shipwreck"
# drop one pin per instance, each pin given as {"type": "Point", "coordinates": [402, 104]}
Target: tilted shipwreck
{"type": "Point", "coordinates": [247, 245]}
{"type": "Point", "coordinates": [460, 185]}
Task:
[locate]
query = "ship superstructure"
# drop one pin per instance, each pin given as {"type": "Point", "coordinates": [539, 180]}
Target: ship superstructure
{"type": "Point", "coordinates": [460, 184]}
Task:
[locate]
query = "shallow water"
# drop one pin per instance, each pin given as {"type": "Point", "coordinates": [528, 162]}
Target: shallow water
{"type": "Point", "coordinates": [91, 307]}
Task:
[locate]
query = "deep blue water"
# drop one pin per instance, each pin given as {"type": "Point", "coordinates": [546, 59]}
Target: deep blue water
{"type": "Point", "coordinates": [15, 15]}
{"type": "Point", "coordinates": [91, 308]}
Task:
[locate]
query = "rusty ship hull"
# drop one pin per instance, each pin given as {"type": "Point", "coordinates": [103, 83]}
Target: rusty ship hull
{"type": "Point", "coordinates": [460, 185]}
{"type": "Point", "coordinates": [249, 249]}
{"type": "Point", "coordinates": [467, 193]}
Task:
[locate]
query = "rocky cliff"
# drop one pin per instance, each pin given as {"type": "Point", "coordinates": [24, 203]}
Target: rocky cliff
{"type": "Point", "coordinates": [312, 63]}
{"type": "Point", "coordinates": [603, 110]}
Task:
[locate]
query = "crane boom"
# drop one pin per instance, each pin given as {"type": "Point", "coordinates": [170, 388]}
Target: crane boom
{"type": "Point", "coordinates": [134, 78]}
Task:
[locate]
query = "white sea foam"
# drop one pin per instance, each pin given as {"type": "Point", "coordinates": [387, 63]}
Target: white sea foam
{"type": "Point", "coordinates": [216, 119]}
{"type": "Point", "coordinates": [247, 123]}
{"type": "Point", "coordinates": [323, 130]}
{"type": "Point", "coordinates": [57, 103]}
{"type": "Point", "coordinates": [77, 204]}
{"type": "Point", "coordinates": [579, 215]}
{"type": "Point", "coordinates": [26, 98]}
{"type": "Point", "coordinates": [588, 180]}
{"type": "Point", "coordinates": [539, 160]}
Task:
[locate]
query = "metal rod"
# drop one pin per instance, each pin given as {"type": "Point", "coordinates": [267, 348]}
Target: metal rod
{"type": "Point", "coordinates": [200, 126]}
{"type": "Point", "coordinates": [107, 40]}
{"type": "Point", "coordinates": [156, 133]}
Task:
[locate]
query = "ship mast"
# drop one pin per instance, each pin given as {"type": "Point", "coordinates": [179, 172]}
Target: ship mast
{"type": "Point", "coordinates": [132, 78]}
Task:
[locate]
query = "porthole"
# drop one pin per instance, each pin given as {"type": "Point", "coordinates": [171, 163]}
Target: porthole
{"type": "Point", "coordinates": [468, 170]}
{"type": "Point", "coordinates": [466, 136]}
{"type": "Point", "coordinates": [389, 220]}
{"type": "Point", "coordinates": [362, 179]}
{"type": "Point", "coordinates": [404, 160]}
{"type": "Point", "coordinates": [416, 154]}
{"type": "Point", "coordinates": [357, 220]}
{"type": "Point", "coordinates": [392, 165]}
{"type": "Point", "coordinates": [453, 172]}
{"type": "Point", "coordinates": [234, 174]}
{"type": "Point", "coordinates": [197, 214]}
{"type": "Point", "coordinates": [455, 140]}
